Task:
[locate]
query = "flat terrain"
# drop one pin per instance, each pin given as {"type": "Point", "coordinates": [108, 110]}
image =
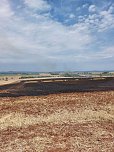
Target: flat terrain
{"type": "Point", "coordinates": [51, 121]}
{"type": "Point", "coordinates": [8, 79]}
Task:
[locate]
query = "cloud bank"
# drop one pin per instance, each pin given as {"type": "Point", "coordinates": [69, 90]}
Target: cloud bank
{"type": "Point", "coordinates": [43, 35]}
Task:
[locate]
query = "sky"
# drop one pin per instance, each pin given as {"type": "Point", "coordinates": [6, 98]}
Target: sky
{"type": "Point", "coordinates": [56, 35]}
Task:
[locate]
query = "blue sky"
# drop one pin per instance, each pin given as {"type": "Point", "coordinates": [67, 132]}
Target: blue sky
{"type": "Point", "coordinates": [54, 35]}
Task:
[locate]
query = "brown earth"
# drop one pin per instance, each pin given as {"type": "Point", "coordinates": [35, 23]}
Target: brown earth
{"type": "Point", "coordinates": [56, 122]}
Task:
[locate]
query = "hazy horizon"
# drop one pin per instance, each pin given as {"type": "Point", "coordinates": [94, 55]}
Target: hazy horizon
{"type": "Point", "coordinates": [56, 35]}
{"type": "Point", "coordinates": [55, 71]}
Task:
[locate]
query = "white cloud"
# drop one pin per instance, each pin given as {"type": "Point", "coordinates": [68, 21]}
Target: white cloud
{"type": "Point", "coordinates": [92, 8]}
{"type": "Point", "coordinates": [85, 6]}
{"type": "Point", "coordinates": [111, 9]}
{"type": "Point", "coordinates": [109, 51]}
{"type": "Point", "coordinates": [107, 20]}
{"type": "Point", "coordinates": [47, 38]}
{"type": "Point", "coordinates": [5, 10]}
{"type": "Point", "coordinates": [40, 5]}
{"type": "Point", "coordinates": [21, 38]}
{"type": "Point", "coordinates": [71, 16]}
{"type": "Point", "coordinates": [103, 53]}
{"type": "Point", "coordinates": [100, 20]}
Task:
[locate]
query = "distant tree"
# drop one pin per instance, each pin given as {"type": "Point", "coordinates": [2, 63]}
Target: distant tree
{"type": "Point", "coordinates": [6, 79]}
{"type": "Point", "coordinates": [105, 73]}
{"type": "Point", "coordinates": [70, 75]}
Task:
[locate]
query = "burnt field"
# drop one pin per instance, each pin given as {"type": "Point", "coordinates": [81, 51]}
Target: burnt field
{"type": "Point", "coordinates": [51, 86]}
{"type": "Point", "coordinates": [59, 116]}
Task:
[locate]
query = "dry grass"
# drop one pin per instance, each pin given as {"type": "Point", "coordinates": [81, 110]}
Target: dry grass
{"type": "Point", "coordinates": [10, 79]}
{"type": "Point", "coordinates": [69, 122]}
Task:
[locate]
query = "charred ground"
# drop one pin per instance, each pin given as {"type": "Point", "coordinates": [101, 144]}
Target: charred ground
{"type": "Point", "coordinates": [45, 87]}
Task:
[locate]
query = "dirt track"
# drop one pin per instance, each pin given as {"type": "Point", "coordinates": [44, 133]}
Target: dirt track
{"type": "Point", "coordinates": [64, 122]}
